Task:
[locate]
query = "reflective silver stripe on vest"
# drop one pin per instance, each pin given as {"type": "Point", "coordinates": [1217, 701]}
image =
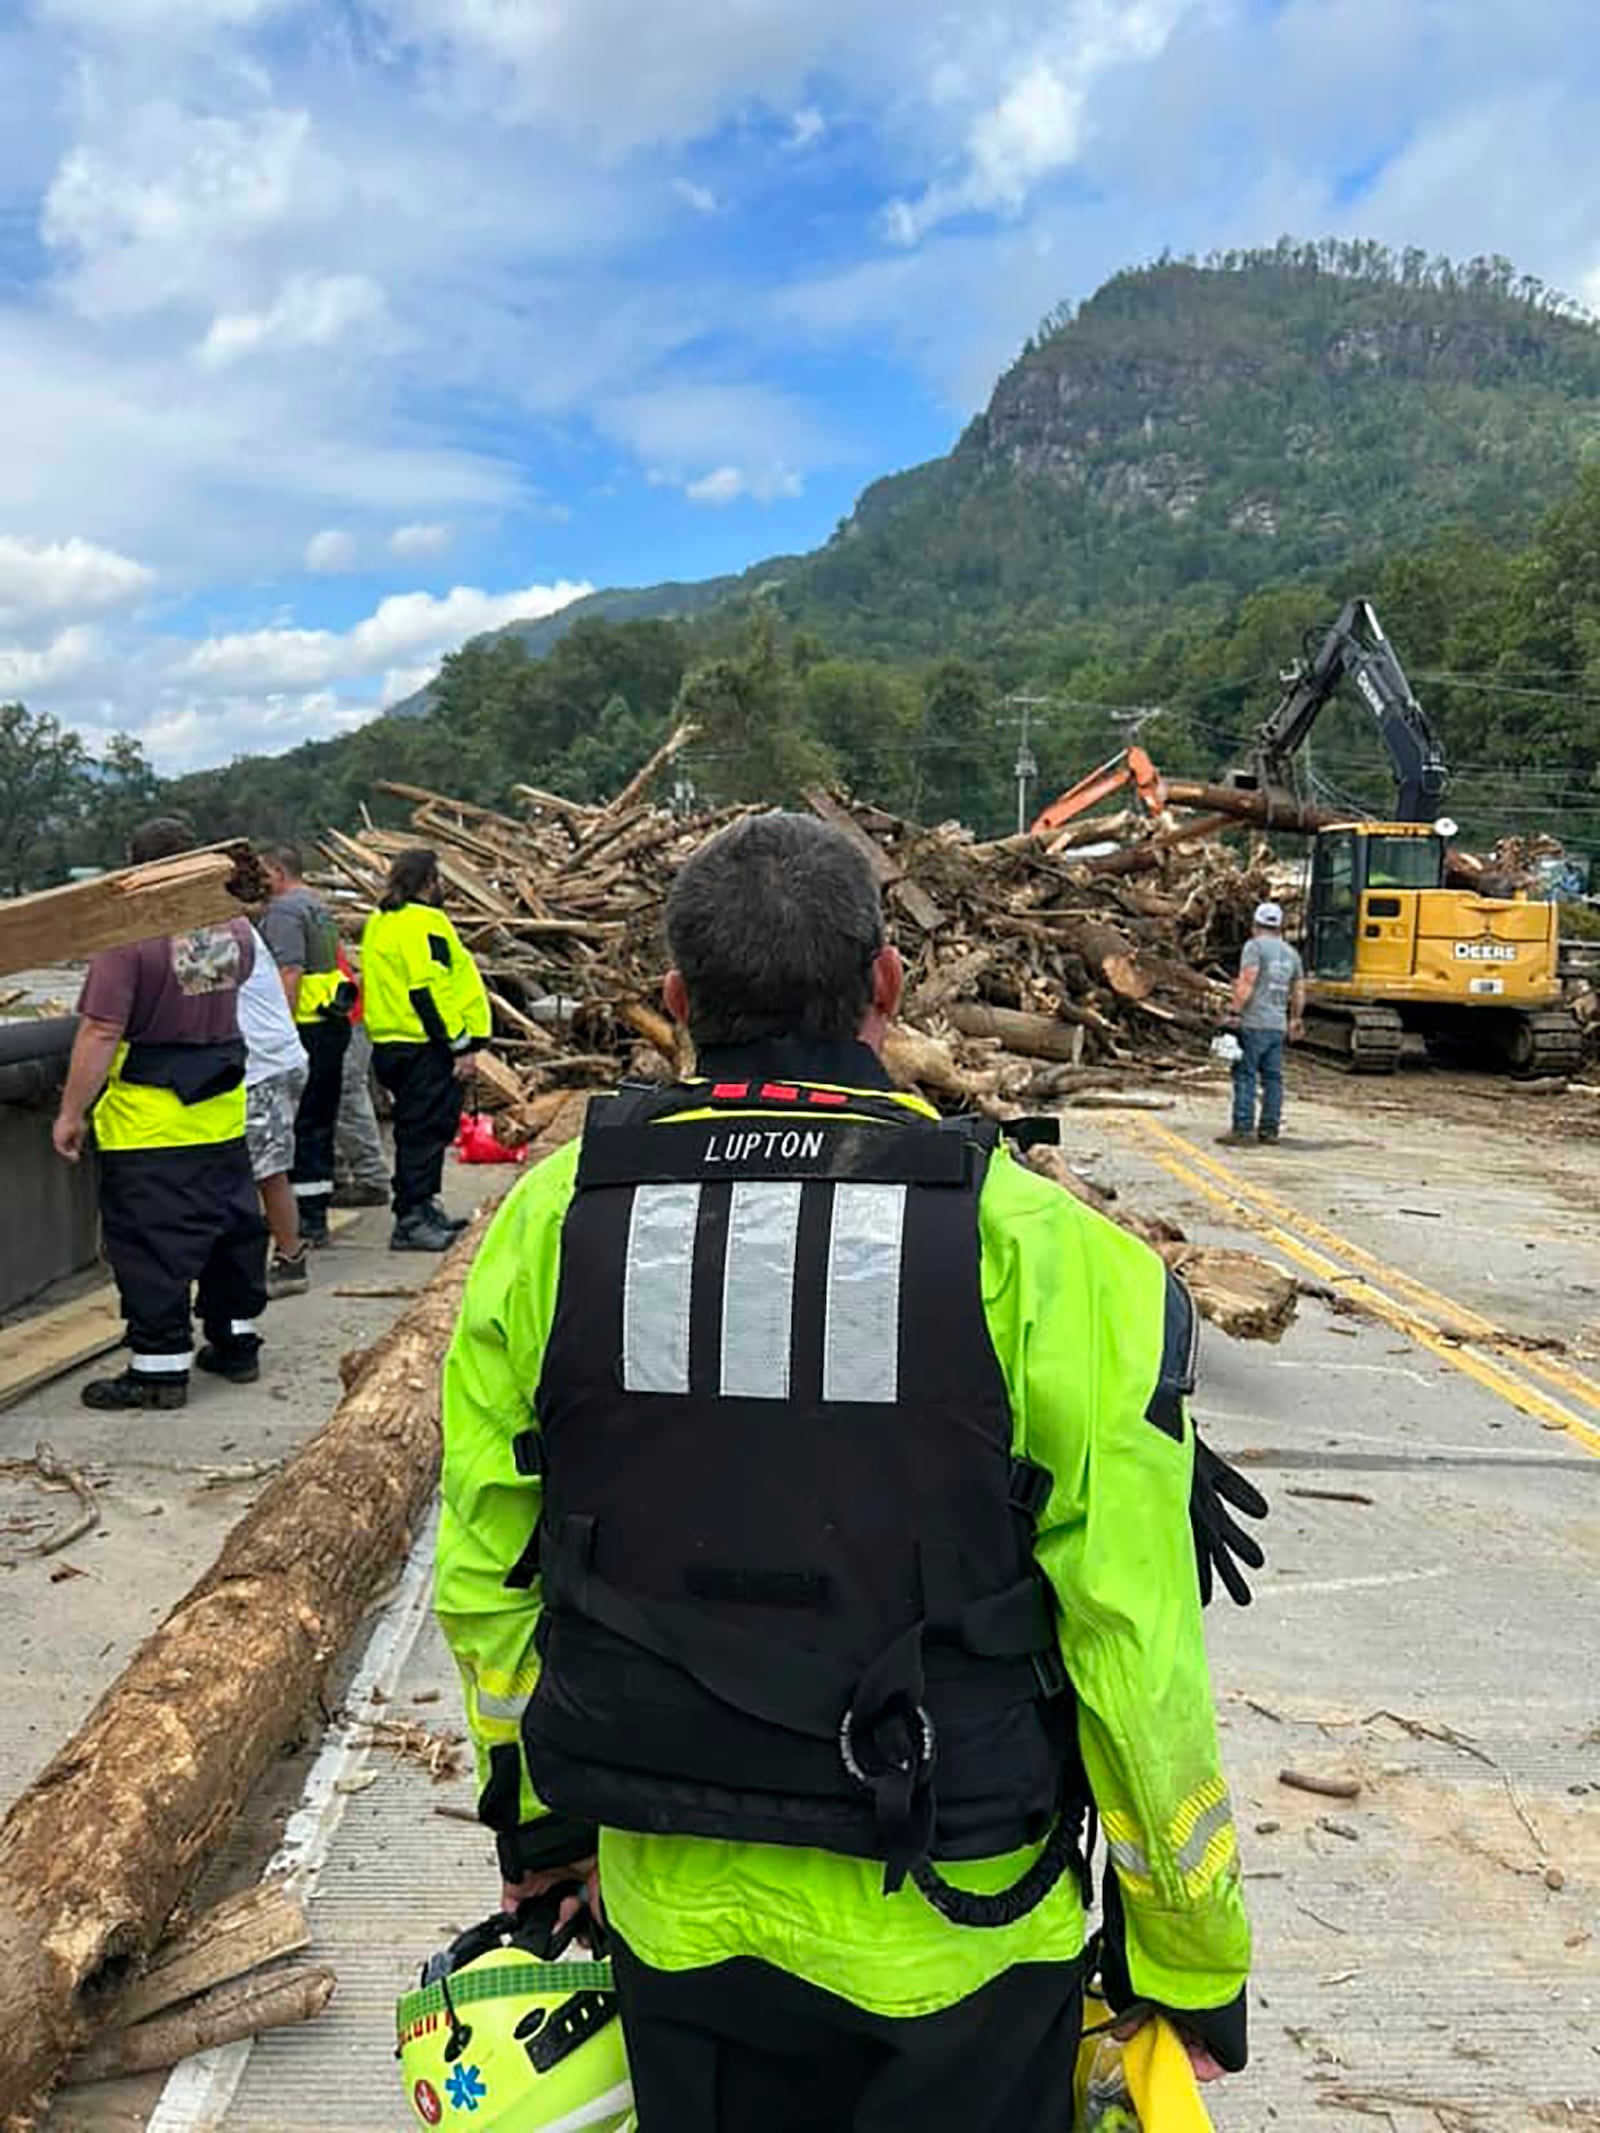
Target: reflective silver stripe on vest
{"type": "Point", "coordinates": [758, 1290]}
{"type": "Point", "coordinates": [861, 1334]}
{"type": "Point", "coordinates": [655, 1288]}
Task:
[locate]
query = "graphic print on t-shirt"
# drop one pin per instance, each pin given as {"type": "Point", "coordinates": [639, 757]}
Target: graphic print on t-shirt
{"type": "Point", "coordinates": [206, 960]}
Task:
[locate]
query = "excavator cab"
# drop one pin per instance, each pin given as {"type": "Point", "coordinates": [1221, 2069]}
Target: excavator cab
{"type": "Point", "coordinates": [1401, 963]}
{"type": "Point", "coordinates": [1356, 871]}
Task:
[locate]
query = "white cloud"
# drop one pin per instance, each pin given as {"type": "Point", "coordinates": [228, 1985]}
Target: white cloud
{"type": "Point", "coordinates": [42, 582]}
{"type": "Point", "coordinates": [1037, 124]}
{"type": "Point", "coordinates": [67, 661]}
{"type": "Point", "coordinates": [728, 484]}
{"type": "Point", "coordinates": [807, 125]}
{"type": "Point", "coordinates": [700, 197]}
{"type": "Point", "coordinates": [331, 551]}
{"type": "Point", "coordinates": [313, 311]}
{"type": "Point", "coordinates": [421, 540]}
{"type": "Point", "coordinates": [404, 629]}
{"type": "Point", "coordinates": [165, 206]}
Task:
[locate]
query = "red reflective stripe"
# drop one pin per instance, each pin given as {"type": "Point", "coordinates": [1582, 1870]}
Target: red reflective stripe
{"type": "Point", "coordinates": [827, 1096]}
{"type": "Point", "coordinates": [772, 1092]}
{"type": "Point", "coordinates": [731, 1090]}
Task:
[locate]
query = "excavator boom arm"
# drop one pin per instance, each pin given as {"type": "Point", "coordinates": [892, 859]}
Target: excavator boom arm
{"type": "Point", "coordinates": [1356, 648]}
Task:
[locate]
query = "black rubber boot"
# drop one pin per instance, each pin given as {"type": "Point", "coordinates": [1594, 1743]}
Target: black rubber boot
{"type": "Point", "coordinates": [445, 1220]}
{"type": "Point", "coordinates": [132, 1389]}
{"type": "Point", "coordinates": [419, 1232]}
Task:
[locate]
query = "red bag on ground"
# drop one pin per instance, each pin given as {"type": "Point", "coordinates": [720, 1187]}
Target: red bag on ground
{"type": "Point", "coordinates": [476, 1143]}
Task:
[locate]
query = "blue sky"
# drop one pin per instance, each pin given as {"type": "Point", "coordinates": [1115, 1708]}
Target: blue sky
{"type": "Point", "coordinates": [332, 331]}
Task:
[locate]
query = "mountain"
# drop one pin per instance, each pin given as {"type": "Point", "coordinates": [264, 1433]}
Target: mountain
{"type": "Point", "coordinates": [1194, 430]}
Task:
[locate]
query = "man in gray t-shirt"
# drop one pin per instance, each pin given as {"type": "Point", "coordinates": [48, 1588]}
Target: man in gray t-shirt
{"type": "Point", "coordinates": [1269, 997]}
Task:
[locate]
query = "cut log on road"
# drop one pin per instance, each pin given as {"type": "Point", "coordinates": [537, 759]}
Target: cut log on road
{"type": "Point", "coordinates": [1240, 1293]}
{"type": "Point", "coordinates": [246, 2009]}
{"type": "Point", "coordinates": [233, 1938]}
{"type": "Point", "coordinates": [96, 1854]}
{"type": "Point", "coordinates": [133, 904]}
{"type": "Point", "coordinates": [1034, 1036]}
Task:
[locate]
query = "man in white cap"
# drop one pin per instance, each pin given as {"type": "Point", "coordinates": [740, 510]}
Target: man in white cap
{"type": "Point", "coordinates": [1269, 999]}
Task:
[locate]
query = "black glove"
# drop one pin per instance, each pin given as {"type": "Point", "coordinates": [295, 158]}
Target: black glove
{"type": "Point", "coordinates": [1220, 1542]}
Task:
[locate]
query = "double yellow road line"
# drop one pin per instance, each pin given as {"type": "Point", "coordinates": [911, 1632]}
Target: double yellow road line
{"type": "Point", "coordinates": [1525, 1378]}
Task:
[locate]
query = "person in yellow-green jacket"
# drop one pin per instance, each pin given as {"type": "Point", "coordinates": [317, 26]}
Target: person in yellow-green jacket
{"type": "Point", "coordinates": [428, 1015]}
{"type": "Point", "coordinates": [819, 1531]}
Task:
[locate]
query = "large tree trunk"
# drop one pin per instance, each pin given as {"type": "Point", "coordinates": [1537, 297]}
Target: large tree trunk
{"type": "Point", "coordinates": [97, 1852]}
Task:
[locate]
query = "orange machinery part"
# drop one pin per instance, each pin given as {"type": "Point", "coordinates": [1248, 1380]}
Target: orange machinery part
{"type": "Point", "coordinates": [1131, 768]}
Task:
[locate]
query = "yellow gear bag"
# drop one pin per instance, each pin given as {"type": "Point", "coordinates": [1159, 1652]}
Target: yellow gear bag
{"type": "Point", "coordinates": [1143, 2084]}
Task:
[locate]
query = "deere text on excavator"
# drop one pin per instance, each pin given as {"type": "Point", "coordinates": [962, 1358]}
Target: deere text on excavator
{"type": "Point", "coordinates": [1392, 948]}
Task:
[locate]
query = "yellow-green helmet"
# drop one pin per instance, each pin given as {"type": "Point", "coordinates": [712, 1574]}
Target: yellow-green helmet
{"type": "Point", "coordinates": [507, 2034]}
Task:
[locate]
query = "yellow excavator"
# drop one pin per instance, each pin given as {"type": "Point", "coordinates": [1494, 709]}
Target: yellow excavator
{"type": "Point", "coordinates": [1395, 951]}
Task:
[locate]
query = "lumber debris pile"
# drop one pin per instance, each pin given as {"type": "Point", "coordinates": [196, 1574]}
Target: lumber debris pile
{"type": "Point", "coordinates": [1033, 975]}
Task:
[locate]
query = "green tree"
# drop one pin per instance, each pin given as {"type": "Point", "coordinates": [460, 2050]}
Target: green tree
{"type": "Point", "coordinates": [45, 789]}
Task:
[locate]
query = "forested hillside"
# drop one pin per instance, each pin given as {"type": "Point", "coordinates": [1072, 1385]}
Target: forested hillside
{"type": "Point", "coordinates": [1502, 643]}
{"type": "Point", "coordinates": [1168, 490]}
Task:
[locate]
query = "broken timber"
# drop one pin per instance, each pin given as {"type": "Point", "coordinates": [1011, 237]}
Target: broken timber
{"type": "Point", "coordinates": [133, 904]}
{"type": "Point", "coordinates": [96, 1854]}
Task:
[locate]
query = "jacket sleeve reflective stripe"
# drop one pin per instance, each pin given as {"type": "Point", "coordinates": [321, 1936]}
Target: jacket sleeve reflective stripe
{"type": "Point", "coordinates": [488, 1508]}
{"type": "Point", "coordinates": [1078, 1311]}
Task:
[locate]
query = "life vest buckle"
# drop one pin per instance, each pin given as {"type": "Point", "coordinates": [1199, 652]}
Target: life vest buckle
{"type": "Point", "coordinates": [915, 1761]}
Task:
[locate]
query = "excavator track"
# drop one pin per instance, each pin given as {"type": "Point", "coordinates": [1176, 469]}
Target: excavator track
{"type": "Point", "coordinates": [1546, 1044]}
{"type": "Point", "coordinates": [1363, 1040]}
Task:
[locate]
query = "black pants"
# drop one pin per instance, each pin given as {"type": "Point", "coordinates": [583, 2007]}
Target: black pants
{"type": "Point", "coordinates": [326, 1042]}
{"type": "Point", "coordinates": [741, 2048]}
{"type": "Point", "coordinates": [175, 1219]}
{"type": "Point", "coordinates": [426, 1096]}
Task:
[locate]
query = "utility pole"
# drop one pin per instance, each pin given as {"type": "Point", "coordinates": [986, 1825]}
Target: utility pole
{"type": "Point", "coordinates": [1025, 769]}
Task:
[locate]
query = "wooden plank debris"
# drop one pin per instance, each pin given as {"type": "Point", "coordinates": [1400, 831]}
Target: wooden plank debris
{"type": "Point", "coordinates": [98, 1851]}
{"type": "Point", "coordinates": [132, 904]}
{"type": "Point", "coordinates": [235, 1936]}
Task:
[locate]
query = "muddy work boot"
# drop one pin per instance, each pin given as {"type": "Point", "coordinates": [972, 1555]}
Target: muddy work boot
{"type": "Point", "coordinates": [289, 1274]}
{"type": "Point", "coordinates": [1268, 1136]}
{"type": "Point", "coordinates": [132, 1389]}
{"type": "Point", "coordinates": [1233, 1138]}
{"type": "Point", "coordinates": [240, 1366]}
{"type": "Point", "coordinates": [421, 1232]}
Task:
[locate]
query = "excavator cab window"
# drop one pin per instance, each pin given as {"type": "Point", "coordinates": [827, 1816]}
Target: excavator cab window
{"type": "Point", "coordinates": [1405, 863]}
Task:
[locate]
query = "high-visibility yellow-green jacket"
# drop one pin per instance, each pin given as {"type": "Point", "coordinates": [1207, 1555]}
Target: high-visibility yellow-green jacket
{"type": "Point", "coordinates": [418, 984]}
{"type": "Point", "coordinates": [1076, 1312]}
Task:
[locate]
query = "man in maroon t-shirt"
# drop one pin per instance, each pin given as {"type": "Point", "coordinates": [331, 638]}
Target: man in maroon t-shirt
{"type": "Point", "coordinates": [159, 1063]}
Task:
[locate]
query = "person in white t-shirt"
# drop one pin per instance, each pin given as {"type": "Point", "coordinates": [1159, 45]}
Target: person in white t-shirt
{"type": "Point", "coordinates": [274, 1075]}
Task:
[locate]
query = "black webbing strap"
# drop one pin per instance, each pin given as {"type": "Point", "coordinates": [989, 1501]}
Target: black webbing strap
{"type": "Point", "coordinates": [963, 1908]}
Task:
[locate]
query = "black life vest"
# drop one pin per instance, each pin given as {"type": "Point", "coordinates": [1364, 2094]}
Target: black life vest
{"type": "Point", "coordinates": [788, 1588]}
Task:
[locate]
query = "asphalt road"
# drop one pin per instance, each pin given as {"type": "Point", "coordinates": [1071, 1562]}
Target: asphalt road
{"type": "Point", "coordinates": [1428, 1952]}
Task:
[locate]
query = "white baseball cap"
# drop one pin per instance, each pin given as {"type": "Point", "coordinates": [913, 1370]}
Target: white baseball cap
{"type": "Point", "coordinates": [1269, 914]}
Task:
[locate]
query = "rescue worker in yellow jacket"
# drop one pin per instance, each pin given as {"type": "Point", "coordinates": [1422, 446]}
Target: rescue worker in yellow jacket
{"type": "Point", "coordinates": [820, 1525]}
{"type": "Point", "coordinates": [428, 1015]}
{"type": "Point", "coordinates": [158, 1065]}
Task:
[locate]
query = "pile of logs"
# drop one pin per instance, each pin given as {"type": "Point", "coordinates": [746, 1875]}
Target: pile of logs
{"type": "Point", "coordinates": [1032, 972]}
